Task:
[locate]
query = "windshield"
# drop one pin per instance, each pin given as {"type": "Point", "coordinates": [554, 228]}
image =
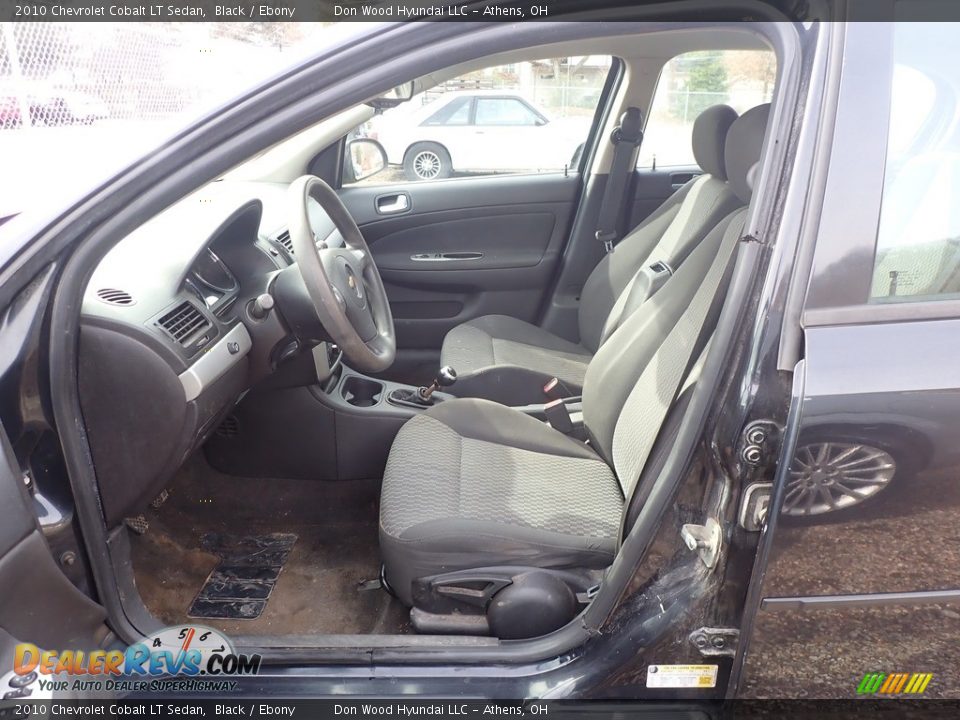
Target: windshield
{"type": "Point", "coordinates": [79, 101]}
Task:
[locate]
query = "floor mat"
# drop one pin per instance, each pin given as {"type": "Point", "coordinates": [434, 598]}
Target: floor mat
{"type": "Point", "coordinates": [240, 585]}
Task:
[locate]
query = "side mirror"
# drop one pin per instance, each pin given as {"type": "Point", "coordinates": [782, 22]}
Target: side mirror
{"type": "Point", "coordinates": [364, 158]}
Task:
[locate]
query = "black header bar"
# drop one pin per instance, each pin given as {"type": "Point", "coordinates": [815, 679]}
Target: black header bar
{"type": "Point", "coordinates": [268, 11]}
{"type": "Point", "coordinates": [283, 10]}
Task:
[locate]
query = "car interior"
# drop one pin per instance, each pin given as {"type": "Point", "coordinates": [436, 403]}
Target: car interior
{"type": "Point", "coordinates": [318, 407]}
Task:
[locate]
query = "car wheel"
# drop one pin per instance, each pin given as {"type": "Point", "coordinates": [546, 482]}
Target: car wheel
{"type": "Point", "coordinates": [831, 479]}
{"type": "Point", "coordinates": [427, 161]}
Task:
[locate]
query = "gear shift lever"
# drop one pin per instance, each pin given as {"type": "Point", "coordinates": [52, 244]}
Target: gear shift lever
{"type": "Point", "coordinates": [445, 378]}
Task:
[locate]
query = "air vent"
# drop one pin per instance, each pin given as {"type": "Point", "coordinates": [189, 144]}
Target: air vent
{"type": "Point", "coordinates": [183, 322]}
{"type": "Point", "coordinates": [284, 239]}
{"type": "Point", "coordinates": [115, 297]}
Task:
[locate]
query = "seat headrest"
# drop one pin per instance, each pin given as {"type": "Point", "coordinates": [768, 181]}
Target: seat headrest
{"type": "Point", "coordinates": [709, 138]}
{"type": "Point", "coordinates": [744, 144]}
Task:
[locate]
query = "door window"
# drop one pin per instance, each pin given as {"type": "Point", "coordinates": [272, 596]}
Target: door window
{"type": "Point", "coordinates": [692, 82]}
{"type": "Point", "coordinates": [504, 111]}
{"type": "Point", "coordinates": [455, 112]}
{"type": "Point", "coordinates": [523, 117]}
{"type": "Point", "coordinates": [918, 241]}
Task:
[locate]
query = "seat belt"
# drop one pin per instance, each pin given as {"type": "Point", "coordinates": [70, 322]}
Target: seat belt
{"type": "Point", "coordinates": [650, 400]}
{"type": "Point", "coordinates": [626, 138]}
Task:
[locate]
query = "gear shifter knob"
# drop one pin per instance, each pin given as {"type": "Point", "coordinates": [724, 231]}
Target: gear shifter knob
{"type": "Point", "coordinates": [446, 377]}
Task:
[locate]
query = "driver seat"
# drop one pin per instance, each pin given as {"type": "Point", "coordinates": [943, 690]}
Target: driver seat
{"type": "Point", "coordinates": [473, 484]}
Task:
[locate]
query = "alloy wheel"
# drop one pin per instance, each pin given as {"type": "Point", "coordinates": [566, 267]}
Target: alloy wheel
{"type": "Point", "coordinates": [427, 165]}
{"type": "Point", "coordinates": [827, 476]}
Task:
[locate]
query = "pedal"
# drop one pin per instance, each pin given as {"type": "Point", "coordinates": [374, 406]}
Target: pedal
{"type": "Point", "coordinates": [138, 524]}
{"type": "Point", "coordinates": [365, 585]}
{"type": "Point", "coordinates": [160, 499]}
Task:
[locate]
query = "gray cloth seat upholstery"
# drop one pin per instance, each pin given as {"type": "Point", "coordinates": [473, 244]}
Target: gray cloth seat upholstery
{"type": "Point", "coordinates": [471, 483]}
{"type": "Point", "coordinates": [508, 360]}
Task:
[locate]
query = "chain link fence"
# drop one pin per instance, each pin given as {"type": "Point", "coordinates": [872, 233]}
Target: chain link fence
{"type": "Point", "coordinates": [83, 99]}
{"type": "Point", "coordinates": [55, 74]}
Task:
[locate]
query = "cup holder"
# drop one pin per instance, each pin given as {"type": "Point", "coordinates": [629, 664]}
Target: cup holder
{"type": "Point", "coordinates": [361, 392]}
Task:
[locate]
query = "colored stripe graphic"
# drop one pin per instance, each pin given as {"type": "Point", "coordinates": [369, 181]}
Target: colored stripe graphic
{"type": "Point", "coordinates": [894, 683]}
{"type": "Point", "coordinates": [870, 683]}
{"type": "Point", "coordinates": [889, 683]}
{"type": "Point", "coordinates": [919, 681]}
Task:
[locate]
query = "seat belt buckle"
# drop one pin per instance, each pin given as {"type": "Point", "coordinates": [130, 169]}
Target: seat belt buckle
{"type": "Point", "coordinates": [558, 416]}
{"type": "Point", "coordinates": [607, 239]}
{"type": "Point", "coordinates": [555, 390]}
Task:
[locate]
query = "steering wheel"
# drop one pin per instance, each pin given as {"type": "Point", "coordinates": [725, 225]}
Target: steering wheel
{"type": "Point", "coordinates": [343, 283]}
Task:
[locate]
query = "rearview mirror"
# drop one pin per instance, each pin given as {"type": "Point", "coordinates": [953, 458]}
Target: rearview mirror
{"type": "Point", "coordinates": [364, 158]}
{"type": "Point", "coordinates": [392, 98]}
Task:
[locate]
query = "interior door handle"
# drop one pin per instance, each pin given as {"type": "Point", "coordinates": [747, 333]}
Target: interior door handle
{"type": "Point", "coordinates": [446, 256]}
{"type": "Point", "coordinates": [392, 203]}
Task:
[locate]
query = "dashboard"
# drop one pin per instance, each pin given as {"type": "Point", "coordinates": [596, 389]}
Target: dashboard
{"type": "Point", "coordinates": [168, 343]}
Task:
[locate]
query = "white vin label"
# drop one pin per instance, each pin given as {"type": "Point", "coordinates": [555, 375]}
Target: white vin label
{"type": "Point", "coordinates": [681, 676]}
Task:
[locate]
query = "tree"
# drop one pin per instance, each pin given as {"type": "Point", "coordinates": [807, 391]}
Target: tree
{"type": "Point", "coordinates": [707, 74]}
{"type": "Point", "coordinates": [706, 83]}
{"type": "Point", "coordinates": [699, 81]}
{"type": "Point", "coordinates": [757, 68]}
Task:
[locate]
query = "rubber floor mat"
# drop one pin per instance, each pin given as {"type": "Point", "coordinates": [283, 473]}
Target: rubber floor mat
{"type": "Point", "coordinates": [240, 585]}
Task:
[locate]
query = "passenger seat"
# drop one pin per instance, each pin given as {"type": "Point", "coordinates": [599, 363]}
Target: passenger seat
{"type": "Point", "coordinates": [507, 360]}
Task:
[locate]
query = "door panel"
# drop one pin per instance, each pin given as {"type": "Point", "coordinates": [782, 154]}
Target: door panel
{"type": "Point", "coordinates": [465, 247]}
{"type": "Point", "coordinates": [477, 239]}
{"type": "Point", "coordinates": [38, 603]}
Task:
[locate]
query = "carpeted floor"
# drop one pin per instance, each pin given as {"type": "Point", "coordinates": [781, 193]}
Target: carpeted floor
{"type": "Point", "coordinates": [318, 591]}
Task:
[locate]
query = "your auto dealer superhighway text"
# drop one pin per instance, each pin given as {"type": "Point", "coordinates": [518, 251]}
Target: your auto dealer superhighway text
{"type": "Point", "coordinates": [157, 11]}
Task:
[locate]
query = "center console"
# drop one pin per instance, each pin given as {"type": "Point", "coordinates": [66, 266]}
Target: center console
{"type": "Point", "coordinates": [322, 420]}
{"type": "Point", "coordinates": [350, 391]}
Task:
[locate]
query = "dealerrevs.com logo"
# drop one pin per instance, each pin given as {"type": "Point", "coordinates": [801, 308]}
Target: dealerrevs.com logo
{"type": "Point", "coordinates": [179, 652]}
